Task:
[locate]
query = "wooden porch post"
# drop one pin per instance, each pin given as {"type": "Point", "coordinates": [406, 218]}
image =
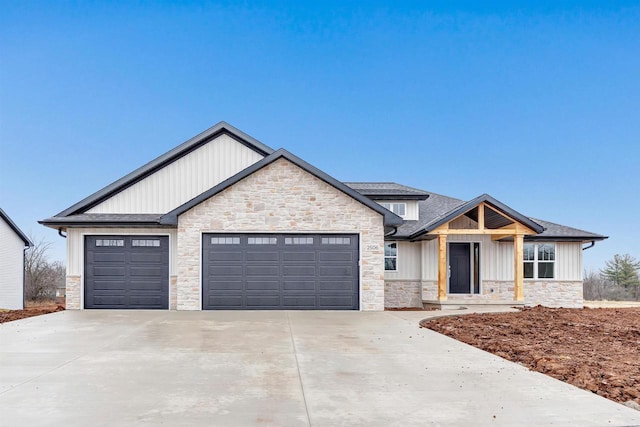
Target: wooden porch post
{"type": "Point", "coordinates": [442, 267]}
{"type": "Point", "coordinates": [518, 266]}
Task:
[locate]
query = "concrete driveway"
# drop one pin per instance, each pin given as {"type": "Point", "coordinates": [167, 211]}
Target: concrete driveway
{"type": "Point", "coordinates": [288, 368]}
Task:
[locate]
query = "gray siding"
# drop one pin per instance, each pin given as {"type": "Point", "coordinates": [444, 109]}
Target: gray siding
{"type": "Point", "coordinates": [409, 262]}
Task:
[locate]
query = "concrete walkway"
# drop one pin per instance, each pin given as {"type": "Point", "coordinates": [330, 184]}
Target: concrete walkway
{"type": "Point", "coordinates": [287, 368]}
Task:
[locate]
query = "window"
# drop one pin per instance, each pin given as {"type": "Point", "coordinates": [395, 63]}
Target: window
{"type": "Point", "coordinates": [539, 260]}
{"type": "Point", "coordinates": [110, 242]}
{"type": "Point", "coordinates": [336, 240]}
{"type": "Point", "coordinates": [298, 240]}
{"type": "Point", "coordinates": [262, 240]}
{"type": "Point", "coordinates": [146, 242]}
{"type": "Point", "coordinates": [225, 240]}
{"type": "Point", "coordinates": [399, 209]}
{"type": "Point", "coordinates": [391, 256]}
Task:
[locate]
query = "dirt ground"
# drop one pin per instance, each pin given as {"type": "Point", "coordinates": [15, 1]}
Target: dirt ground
{"type": "Point", "coordinates": [29, 311]}
{"type": "Point", "coordinates": [595, 349]}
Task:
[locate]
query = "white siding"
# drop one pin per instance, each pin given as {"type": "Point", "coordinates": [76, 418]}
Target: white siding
{"type": "Point", "coordinates": [569, 261]}
{"type": "Point", "coordinates": [408, 262]}
{"type": "Point", "coordinates": [75, 244]}
{"type": "Point", "coordinates": [497, 259]}
{"type": "Point", "coordinates": [183, 179]}
{"type": "Point", "coordinates": [11, 268]}
{"type": "Point", "coordinates": [411, 213]}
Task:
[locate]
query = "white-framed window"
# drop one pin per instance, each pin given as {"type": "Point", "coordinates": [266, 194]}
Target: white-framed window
{"type": "Point", "coordinates": [391, 256]}
{"type": "Point", "coordinates": [539, 260]}
{"type": "Point", "coordinates": [399, 209]}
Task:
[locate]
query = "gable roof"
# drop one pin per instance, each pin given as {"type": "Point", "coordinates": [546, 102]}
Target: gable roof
{"type": "Point", "coordinates": [466, 207]}
{"type": "Point", "coordinates": [388, 191]}
{"type": "Point", "coordinates": [15, 228]}
{"type": "Point", "coordinates": [165, 159]}
{"type": "Point", "coordinates": [390, 219]}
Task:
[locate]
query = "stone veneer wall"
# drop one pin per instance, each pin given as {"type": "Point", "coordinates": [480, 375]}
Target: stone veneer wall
{"type": "Point", "coordinates": [566, 294]}
{"type": "Point", "coordinates": [281, 198]}
{"type": "Point", "coordinates": [72, 293]}
{"type": "Point", "coordinates": [173, 292]}
{"type": "Point", "coordinates": [399, 293]}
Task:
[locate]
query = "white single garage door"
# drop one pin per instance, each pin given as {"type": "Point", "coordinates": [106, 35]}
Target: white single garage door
{"type": "Point", "coordinates": [280, 271]}
{"type": "Point", "coordinates": [126, 272]}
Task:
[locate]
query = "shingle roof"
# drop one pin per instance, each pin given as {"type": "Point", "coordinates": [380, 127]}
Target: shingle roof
{"type": "Point", "coordinates": [15, 228]}
{"type": "Point", "coordinates": [387, 190]}
{"type": "Point", "coordinates": [556, 231]}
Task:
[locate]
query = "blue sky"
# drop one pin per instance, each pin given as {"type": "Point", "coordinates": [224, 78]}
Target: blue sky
{"type": "Point", "coordinates": [535, 103]}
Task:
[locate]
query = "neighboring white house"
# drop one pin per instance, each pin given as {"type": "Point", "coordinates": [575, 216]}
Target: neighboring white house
{"type": "Point", "coordinates": [225, 222]}
{"type": "Point", "coordinates": [13, 242]}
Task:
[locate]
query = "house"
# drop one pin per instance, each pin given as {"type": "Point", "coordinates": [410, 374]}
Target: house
{"type": "Point", "coordinates": [225, 222]}
{"type": "Point", "coordinates": [13, 243]}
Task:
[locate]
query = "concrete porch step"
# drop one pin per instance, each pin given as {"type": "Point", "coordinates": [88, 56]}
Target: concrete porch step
{"type": "Point", "coordinates": [461, 303]}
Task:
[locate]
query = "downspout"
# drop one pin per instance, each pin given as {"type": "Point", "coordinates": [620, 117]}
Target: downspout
{"type": "Point", "coordinates": [60, 233]}
{"type": "Point", "coordinates": [593, 243]}
{"type": "Point", "coordinates": [393, 233]}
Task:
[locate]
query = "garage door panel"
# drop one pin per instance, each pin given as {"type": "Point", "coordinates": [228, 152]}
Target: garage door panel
{"type": "Point", "coordinates": [337, 256]}
{"type": "Point", "coordinates": [263, 256]}
{"type": "Point", "coordinates": [225, 256]}
{"type": "Point", "coordinates": [336, 271]}
{"type": "Point", "coordinates": [109, 271]}
{"type": "Point", "coordinates": [308, 256]}
{"type": "Point", "coordinates": [108, 257]}
{"type": "Point", "coordinates": [280, 271]}
{"type": "Point", "coordinates": [263, 270]}
{"type": "Point", "coordinates": [299, 285]}
{"type": "Point", "coordinates": [225, 285]}
{"type": "Point", "coordinates": [299, 270]}
{"type": "Point", "coordinates": [146, 257]}
{"type": "Point", "coordinates": [263, 285]}
{"type": "Point", "coordinates": [126, 272]}
{"type": "Point", "coordinates": [299, 301]}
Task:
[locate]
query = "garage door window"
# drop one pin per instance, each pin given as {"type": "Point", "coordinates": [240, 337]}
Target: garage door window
{"type": "Point", "coordinates": [154, 243]}
{"type": "Point", "coordinates": [109, 242]}
{"type": "Point", "coordinates": [225, 240]}
{"type": "Point", "coordinates": [298, 241]}
{"type": "Point", "coordinates": [262, 240]}
{"type": "Point", "coordinates": [336, 240]}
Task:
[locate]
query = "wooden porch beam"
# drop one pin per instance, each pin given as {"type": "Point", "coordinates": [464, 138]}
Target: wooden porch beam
{"type": "Point", "coordinates": [481, 216]}
{"type": "Point", "coordinates": [442, 267]}
{"type": "Point", "coordinates": [518, 267]}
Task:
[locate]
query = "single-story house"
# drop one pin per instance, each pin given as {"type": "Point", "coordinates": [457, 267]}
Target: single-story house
{"type": "Point", "coordinates": [13, 243]}
{"type": "Point", "coordinates": [223, 221]}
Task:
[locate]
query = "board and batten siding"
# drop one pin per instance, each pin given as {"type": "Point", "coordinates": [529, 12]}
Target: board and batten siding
{"type": "Point", "coordinates": [408, 267]}
{"type": "Point", "coordinates": [182, 180]}
{"type": "Point", "coordinates": [497, 259]}
{"type": "Point", "coordinates": [75, 244]}
{"type": "Point", "coordinates": [11, 268]}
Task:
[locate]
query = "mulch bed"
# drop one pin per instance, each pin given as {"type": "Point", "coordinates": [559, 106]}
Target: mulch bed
{"type": "Point", "coordinates": [8, 316]}
{"type": "Point", "coordinates": [594, 349]}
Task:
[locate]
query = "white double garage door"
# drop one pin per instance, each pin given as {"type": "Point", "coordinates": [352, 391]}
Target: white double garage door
{"type": "Point", "coordinates": [239, 272]}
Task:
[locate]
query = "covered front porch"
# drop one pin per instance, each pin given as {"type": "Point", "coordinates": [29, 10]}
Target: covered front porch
{"type": "Point", "coordinates": [473, 246]}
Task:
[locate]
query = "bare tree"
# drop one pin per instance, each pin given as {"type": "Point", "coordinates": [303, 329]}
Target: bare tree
{"type": "Point", "coordinates": [41, 276]}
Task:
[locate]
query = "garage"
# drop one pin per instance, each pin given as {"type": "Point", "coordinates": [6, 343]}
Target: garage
{"type": "Point", "coordinates": [126, 272]}
{"type": "Point", "coordinates": [280, 271]}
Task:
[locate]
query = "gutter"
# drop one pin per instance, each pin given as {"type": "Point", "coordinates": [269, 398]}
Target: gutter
{"type": "Point", "coordinates": [593, 243]}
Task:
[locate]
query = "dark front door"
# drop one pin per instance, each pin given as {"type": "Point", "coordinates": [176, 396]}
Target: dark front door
{"type": "Point", "coordinates": [459, 265]}
{"type": "Point", "coordinates": [280, 271]}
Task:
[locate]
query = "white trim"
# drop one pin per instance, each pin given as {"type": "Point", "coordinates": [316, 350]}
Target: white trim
{"type": "Point", "coordinates": [535, 261]}
{"type": "Point", "coordinates": [84, 249]}
{"type": "Point", "coordinates": [396, 256]}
